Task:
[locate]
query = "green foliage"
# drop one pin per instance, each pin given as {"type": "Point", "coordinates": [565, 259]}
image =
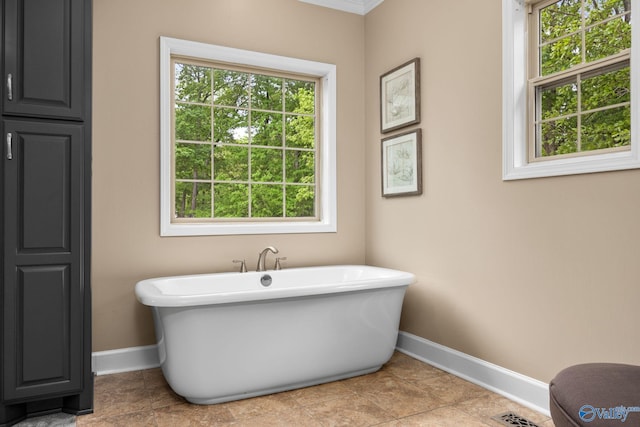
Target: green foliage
{"type": "Point", "coordinates": [300, 201]}
{"type": "Point", "coordinates": [232, 201]}
{"type": "Point", "coordinates": [250, 137]}
{"type": "Point", "coordinates": [586, 111]}
{"type": "Point", "coordinates": [266, 201]}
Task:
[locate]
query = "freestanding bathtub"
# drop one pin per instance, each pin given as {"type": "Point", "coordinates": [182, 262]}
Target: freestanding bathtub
{"type": "Point", "coordinates": [230, 336]}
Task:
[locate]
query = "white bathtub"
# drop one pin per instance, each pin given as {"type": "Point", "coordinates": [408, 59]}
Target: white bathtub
{"type": "Point", "coordinates": [225, 336]}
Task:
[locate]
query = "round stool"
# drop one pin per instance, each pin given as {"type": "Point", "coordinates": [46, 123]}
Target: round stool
{"type": "Point", "coordinates": [595, 395]}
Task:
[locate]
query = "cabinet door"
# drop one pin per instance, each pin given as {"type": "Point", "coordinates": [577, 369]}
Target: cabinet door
{"type": "Point", "coordinates": [43, 285]}
{"type": "Point", "coordinates": [43, 58]}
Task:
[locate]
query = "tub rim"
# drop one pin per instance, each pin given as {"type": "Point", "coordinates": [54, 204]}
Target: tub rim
{"type": "Point", "coordinates": [148, 293]}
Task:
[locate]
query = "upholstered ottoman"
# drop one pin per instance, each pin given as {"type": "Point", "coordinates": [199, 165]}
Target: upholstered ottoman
{"type": "Point", "coordinates": [596, 394]}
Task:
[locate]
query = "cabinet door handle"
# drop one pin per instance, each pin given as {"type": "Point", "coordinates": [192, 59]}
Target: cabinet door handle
{"type": "Point", "coordinates": [10, 87]}
{"type": "Point", "coordinates": [9, 148]}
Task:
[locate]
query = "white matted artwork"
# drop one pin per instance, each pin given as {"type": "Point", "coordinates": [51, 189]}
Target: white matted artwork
{"type": "Point", "coordinates": [402, 164]}
{"type": "Point", "coordinates": [400, 96]}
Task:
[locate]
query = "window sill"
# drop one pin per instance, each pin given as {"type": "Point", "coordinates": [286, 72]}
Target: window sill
{"type": "Point", "coordinates": [225, 229]}
{"type": "Point", "coordinates": [571, 166]}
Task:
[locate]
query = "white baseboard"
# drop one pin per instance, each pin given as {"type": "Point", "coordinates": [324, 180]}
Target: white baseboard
{"type": "Point", "coordinates": [527, 391]}
{"type": "Point", "coordinates": [125, 360]}
{"type": "Point", "coordinates": [522, 389]}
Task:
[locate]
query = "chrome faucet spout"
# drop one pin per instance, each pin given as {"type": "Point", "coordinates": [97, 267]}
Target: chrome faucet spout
{"type": "Point", "coordinates": [263, 256]}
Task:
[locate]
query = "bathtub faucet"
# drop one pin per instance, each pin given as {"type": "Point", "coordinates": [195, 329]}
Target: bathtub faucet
{"type": "Point", "coordinates": [263, 256]}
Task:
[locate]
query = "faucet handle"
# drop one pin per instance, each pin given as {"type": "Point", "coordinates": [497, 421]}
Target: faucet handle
{"type": "Point", "coordinates": [278, 266]}
{"type": "Point", "coordinates": [243, 265]}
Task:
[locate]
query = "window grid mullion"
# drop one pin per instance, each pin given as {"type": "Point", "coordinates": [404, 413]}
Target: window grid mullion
{"type": "Point", "coordinates": [584, 27]}
{"type": "Point", "coordinates": [214, 106]}
{"type": "Point", "coordinates": [583, 35]}
{"type": "Point", "coordinates": [283, 107]}
{"type": "Point", "coordinates": [249, 148]}
{"type": "Point", "coordinates": [609, 61]}
{"type": "Point", "coordinates": [585, 112]}
{"type": "Point", "coordinates": [579, 110]}
{"type": "Point", "coordinates": [538, 82]}
{"type": "Point", "coordinates": [213, 142]}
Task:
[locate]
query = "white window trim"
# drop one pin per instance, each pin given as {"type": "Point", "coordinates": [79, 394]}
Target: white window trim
{"type": "Point", "coordinates": [515, 163]}
{"type": "Point", "coordinates": [327, 197]}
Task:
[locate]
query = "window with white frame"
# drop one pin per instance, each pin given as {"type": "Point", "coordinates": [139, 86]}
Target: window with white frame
{"type": "Point", "coordinates": [248, 142]}
{"type": "Point", "coordinates": [568, 92]}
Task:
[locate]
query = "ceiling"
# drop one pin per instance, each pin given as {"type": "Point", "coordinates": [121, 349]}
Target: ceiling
{"type": "Point", "coordinates": [361, 7]}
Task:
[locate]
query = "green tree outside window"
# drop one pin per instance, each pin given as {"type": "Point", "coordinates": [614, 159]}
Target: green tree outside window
{"type": "Point", "coordinates": [587, 108]}
{"type": "Point", "coordinates": [245, 144]}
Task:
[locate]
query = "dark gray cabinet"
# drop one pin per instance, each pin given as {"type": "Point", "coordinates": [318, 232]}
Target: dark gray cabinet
{"type": "Point", "coordinates": [45, 324]}
{"type": "Point", "coordinates": [43, 270]}
{"type": "Point", "coordinates": [43, 65]}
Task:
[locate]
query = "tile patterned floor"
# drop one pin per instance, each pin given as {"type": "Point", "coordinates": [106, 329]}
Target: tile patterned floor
{"type": "Point", "coordinates": [405, 392]}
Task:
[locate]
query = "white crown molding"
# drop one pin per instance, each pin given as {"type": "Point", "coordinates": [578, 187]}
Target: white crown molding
{"type": "Point", "coordinates": [361, 7]}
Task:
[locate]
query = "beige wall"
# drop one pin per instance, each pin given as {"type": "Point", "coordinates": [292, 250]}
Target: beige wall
{"type": "Point", "coordinates": [126, 242]}
{"type": "Point", "coordinates": [532, 275]}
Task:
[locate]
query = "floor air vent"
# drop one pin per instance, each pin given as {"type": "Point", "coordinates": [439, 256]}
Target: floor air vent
{"type": "Point", "coordinates": [510, 419]}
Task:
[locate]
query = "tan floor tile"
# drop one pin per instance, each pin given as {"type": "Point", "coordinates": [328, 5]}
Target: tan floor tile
{"type": "Point", "coordinates": [492, 404]}
{"type": "Point", "coordinates": [410, 369]}
{"type": "Point", "coordinates": [321, 393]}
{"type": "Point", "coordinates": [138, 419]}
{"type": "Point", "coordinates": [113, 402]}
{"type": "Point", "coordinates": [117, 394]}
{"type": "Point", "coordinates": [162, 395]}
{"type": "Point", "coordinates": [187, 415]}
{"type": "Point", "coordinates": [398, 397]}
{"type": "Point", "coordinates": [352, 411]}
{"type": "Point", "coordinates": [292, 417]}
{"type": "Point", "coordinates": [256, 406]}
{"type": "Point", "coordinates": [119, 382]}
{"type": "Point", "coordinates": [441, 417]}
{"type": "Point", "coordinates": [365, 383]}
{"type": "Point", "coordinates": [153, 377]}
{"type": "Point", "coordinates": [451, 389]}
{"type": "Point", "coordinates": [158, 390]}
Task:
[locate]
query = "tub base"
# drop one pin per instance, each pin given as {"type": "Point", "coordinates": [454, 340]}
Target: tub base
{"type": "Point", "coordinates": [274, 390]}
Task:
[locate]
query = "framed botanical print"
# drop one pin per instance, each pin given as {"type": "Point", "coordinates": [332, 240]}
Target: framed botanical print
{"type": "Point", "coordinates": [402, 164]}
{"type": "Point", "coordinates": [400, 96]}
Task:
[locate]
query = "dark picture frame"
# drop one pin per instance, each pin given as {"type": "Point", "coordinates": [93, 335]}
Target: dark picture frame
{"type": "Point", "coordinates": [401, 164]}
{"type": "Point", "coordinates": [400, 96]}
